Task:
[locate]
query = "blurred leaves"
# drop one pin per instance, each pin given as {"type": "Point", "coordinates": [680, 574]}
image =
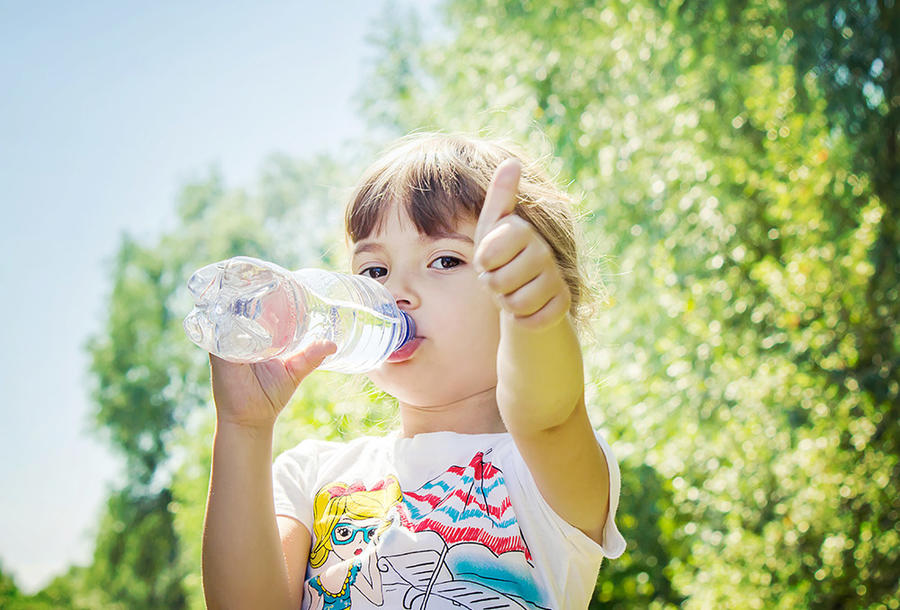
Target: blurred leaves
{"type": "Point", "coordinates": [152, 384]}
{"type": "Point", "coordinates": [738, 166]}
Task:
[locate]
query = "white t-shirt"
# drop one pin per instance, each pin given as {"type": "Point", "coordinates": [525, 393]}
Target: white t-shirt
{"type": "Point", "coordinates": [440, 520]}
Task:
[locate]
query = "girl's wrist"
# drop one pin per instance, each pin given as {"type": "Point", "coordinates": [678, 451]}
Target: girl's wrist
{"type": "Point", "coordinates": [237, 446]}
{"type": "Point", "coordinates": [245, 431]}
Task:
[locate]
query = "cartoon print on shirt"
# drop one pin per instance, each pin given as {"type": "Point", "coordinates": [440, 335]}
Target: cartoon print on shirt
{"type": "Point", "coordinates": [347, 522]}
{"type": "Point", "coordinates": [454, 542]}
{"type": "Point", "coordinates": [482, 558]}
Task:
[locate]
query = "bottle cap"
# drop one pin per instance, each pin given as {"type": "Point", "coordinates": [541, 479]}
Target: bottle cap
{"type": "Point", "coordinates": [410, 329]}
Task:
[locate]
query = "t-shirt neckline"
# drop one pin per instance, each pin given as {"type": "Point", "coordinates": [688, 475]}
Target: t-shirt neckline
{"type": "Point", "coordinates": [395, 435]}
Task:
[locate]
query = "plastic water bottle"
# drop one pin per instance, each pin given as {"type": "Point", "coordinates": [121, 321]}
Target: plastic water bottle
{"type": "Point", "coordinates": [248, 310]}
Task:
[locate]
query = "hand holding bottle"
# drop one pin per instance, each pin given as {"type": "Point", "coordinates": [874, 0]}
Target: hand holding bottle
{"type": "Point", "coordinates": [252, 395]}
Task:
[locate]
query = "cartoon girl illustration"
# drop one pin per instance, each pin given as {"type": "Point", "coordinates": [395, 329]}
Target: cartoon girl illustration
{"type": "Point", "coordinates": [348, 519]}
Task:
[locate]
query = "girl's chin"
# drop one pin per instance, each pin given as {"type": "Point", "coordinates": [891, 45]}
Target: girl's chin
{"type": "Point", "coordinates": [399, 390]}
{"type": "Point", "coordinates": [429, 393]}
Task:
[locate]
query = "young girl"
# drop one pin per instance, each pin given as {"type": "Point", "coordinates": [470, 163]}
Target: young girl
{"type": "Point", "coordinates": [507, 497]}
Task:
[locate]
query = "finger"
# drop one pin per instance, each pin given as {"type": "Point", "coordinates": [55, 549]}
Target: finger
{"type": "Point", "coordinates": [533, 296]}
{"type": "Point", "coordinates": [500, 199]}
{"type": "Point", "coordinates": [549, 315]}
{"type": "Point", "coordinates": [305, 362]}
{"type": "Point", "coordinates": [505, 240]}
{"type": "Point", "coordinates": [525, 267]}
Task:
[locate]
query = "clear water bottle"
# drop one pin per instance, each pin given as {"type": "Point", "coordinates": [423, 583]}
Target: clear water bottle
{"type": "Point", "coordinates": [248, 310]}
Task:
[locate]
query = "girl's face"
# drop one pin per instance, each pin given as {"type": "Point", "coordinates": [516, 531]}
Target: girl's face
{"type": "Point", "coordinates": [457, 324]}
{"type": "Point", "coordinates": [350, 536]}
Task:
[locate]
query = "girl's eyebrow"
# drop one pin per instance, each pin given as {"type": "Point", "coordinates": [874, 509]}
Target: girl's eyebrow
{"type": "Point", "coordinates": [365, 246]}
{"type": "Point", "coordinates": [448, 235]}
{"type": "Point", "coordinates": [369, 246]}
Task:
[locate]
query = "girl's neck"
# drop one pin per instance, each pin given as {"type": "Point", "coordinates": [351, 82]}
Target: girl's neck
{"type": "Point", "coordinates": [477, 414]}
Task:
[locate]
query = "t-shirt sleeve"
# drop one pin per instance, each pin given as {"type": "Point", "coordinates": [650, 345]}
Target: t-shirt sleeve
{"type": "Point", "coordinates": [613, 544]}
{"type": "Point", "coordinates": [293, 481]}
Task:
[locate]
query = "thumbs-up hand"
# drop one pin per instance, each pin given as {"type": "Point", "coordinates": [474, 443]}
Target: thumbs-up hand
{"type": "Point", "coordinates": [516, 264]}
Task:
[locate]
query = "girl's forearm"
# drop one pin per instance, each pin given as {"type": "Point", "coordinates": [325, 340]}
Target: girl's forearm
{"type": "Point", "coordinates": [377, 597]}
{"type": "Point", "coordinates": [540, 376]}
{"type": "Point", "coordinates": [243, 562]}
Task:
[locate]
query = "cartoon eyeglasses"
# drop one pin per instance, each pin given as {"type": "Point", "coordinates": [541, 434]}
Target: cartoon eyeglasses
{"type": "Point", "coordinates": [345, 534]}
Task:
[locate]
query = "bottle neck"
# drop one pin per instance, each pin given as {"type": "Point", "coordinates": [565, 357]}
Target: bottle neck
{"type": "Point", "coordinates": [409, 329]}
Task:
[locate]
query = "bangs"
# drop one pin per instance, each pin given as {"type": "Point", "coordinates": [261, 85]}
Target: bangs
{"type": "Point", "coordinates": [436, 182]}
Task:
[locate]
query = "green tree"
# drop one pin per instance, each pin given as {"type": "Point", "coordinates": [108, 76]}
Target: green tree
{"type": "Point", "coordinates": [814, 128]}
{"type": "Point", "coordinates": [63, 592]}
{"type": "Point", "coordinates": [738, 166]}
{"type": "Point", "coordinates": [152, 384]}
{"type": "Point", "coordinates": [9, 591]}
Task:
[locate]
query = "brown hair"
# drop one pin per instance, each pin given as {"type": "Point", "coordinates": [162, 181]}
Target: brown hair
{"type": "Point", "coordinates": [439, 179]}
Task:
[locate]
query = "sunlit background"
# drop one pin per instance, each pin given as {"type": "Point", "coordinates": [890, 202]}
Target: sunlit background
{"type": "Point", "coordinates": [735, 164]}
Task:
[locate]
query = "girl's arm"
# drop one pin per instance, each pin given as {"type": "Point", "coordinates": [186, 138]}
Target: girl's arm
{"type": "Point", "coordinates": [540, 393]}
{"type": "Point", "coordinates": [540, 378]}
{"type": "Point", "coordinates": [295, 539]}
{"type": "Point", "coordinates": [371, 586]}
{"type": "Point", "coordinates": [246, 559]}
{"type": "Point", "coordinates": [243, 562]}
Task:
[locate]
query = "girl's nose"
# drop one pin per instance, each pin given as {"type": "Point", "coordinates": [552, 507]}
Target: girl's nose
{"type": "Point", "coordinates": [403, 289]}
{"type": "Point", "coordinates": [407, 302]}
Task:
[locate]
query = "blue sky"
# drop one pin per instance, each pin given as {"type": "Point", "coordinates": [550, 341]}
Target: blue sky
{"type": "Point", "coordinates": [105, 111]}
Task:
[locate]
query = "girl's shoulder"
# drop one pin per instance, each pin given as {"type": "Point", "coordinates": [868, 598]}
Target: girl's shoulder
{"type": "Point", "coordinates": [300, 473]}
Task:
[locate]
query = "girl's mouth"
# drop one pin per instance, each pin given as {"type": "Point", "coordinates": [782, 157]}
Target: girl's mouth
{"type": "Point", "coordinates": [405, 352]}
{"type": "Point", "coordinates": [357, 552]}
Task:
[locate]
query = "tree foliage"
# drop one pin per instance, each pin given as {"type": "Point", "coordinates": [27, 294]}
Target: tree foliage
{"type": "Point", "coordinates": [152, 384]}
{"type": "Point", "coordinates": [737, 162]}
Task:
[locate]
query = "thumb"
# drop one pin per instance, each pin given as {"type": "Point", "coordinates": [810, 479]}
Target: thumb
{"type": "Point", "coordinates": [500, 199]}
{"type": "Point", "coordinates": [305, 361]}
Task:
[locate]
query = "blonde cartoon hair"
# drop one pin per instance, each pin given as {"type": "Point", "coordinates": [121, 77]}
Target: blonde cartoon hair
{"type": "Point", "coordinates": [339, 501]}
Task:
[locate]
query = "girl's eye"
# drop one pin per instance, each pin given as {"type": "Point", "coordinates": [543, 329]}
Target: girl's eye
{"type": "Point", "coordinates": [446, 262]}
{"type": "Point", "coordinates": [342, 533]}
{"type": "Point", "coordinates": [374, 272]}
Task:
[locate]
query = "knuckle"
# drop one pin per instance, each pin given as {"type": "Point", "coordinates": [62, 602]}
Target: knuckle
{"type": "Point", "coordinates": [542, 250]}
{"type": "Point", "coordinates": [515, 303]}
{"type": "Point", "coordinates": [478, 258]}
{"type": "Point", "coordinates": [484, 256]}
{"type": "Point", "coordinates": [519, 227]}
{"type": "Point", "coordinates": [510, 302]}
{"type": "Point", "coordinates": [547, 251]}
{"type": "Point", "coordinates": [531, 322]}
{"type": "Point", "coordinates": [517, 222]}
{"type": "Point", "coordinates": [494, 282]}
{"type": "Point", "coordinates": [487, 250]}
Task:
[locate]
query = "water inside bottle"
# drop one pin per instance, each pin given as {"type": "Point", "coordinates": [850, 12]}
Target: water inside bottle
{"type": "Point", "coordinates": [363, 335]}
{"type": "Point", "coordinates": [244, 311]}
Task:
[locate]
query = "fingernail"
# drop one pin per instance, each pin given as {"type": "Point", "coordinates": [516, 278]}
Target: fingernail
{"type": "Point", "coordinates": [512, 162]}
